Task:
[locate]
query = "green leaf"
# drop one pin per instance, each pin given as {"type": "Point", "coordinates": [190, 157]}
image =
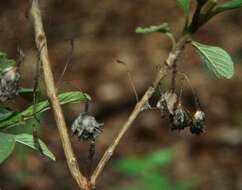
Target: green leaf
{"type": "Point", "coordinates": [28, 140]}
{"type": "Point", "coordinates": [163, 28]}
{"type": "Point", "coordinates": [133, 166]}
{"type": "Point", "coordinates": [216, 59]}
{"type": "Point", "coordinates": [5, 63]}
{"type": "Point", "coordinates": [234, 4]}
{"type": "Point", "coordinates": [130, 166]}
{"type": "Point", "coordinates": [159, 158]}
{"type": "Point", "coordinates": [5, 113]}
{"type": "Point", "coordinates": [184, 4]}
{"type": "Point", "coordinates": [7, 143]}
{"type": "Point", "coordinates": [155, 181]}
{"type": "Point", "coordinates": [64, 98]}
{"type": "Point", "coordinates": [27, 93]}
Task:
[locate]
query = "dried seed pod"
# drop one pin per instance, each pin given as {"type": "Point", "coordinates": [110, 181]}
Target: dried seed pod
{"type": "Point", "coordinates": [180, 119]}
{"type": "Point", "coordinates": [86, 127]}
{"type": "Point", "coordinates": [167, 102]}
{"type": "Point", "coordinates": [198, 122]}
{"type": "Point", "coordinates": [9, 83]}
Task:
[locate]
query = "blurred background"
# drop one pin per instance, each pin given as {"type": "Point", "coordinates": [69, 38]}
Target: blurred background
{"type": "Point", "coordinates": [150, 156]}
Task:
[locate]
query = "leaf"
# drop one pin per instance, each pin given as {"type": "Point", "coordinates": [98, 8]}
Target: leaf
{"type": "Point", "coordinates": [5, 63]}
{"type": "Point", "coordinates": [159, 158]}
{"type": "Point", "coordinates": [5, 113]}
{"type": "Point", "coordinates": [184, 4]}
{"type": "Point", "coordinates": [130, 166]}
{"type": "Point", "coordinates": [27, 93]}
{"type": "Point", "coordinates": [155, 181]}
{"type": "Point", "coordinates": [7, 143]}
{"type": "Point", "coordinates": [163, 28]}
{"type": "Point", "coordinates": [216, 59]}
{"type": "Point", "coordinates": [64, 98]}
{"type": "Point", "coordinates": [28, 140]}
{"type": "Point", "coordinates": [234, 4]}
{"type": "Point", "coordinates": [133, 166]}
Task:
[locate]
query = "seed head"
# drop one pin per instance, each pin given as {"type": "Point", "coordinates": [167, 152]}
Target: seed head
{"type": "Point", "coordinates": [180, 119]}
{"type": "Point", "coordinates": [198, 123]}
{"type": "Point", "coordinates": [167, 102]}
{"type": "Point", "coordinates": [86, 127]}
{"type": "Point", "coordinates": [9, 83]}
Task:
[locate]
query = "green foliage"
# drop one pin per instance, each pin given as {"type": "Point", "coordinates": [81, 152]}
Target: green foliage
{"type": "Point", "coordinates": [147, 172]}
{"type": "Point", "coordinates": [217, 60]}
{"type": "Point", "coordinates": [130, 166]}
{"type": "Point", "coordinates": [5, 113]}
{"type": "Point", "coordinates": [159, 158]}
{"type": "Point", "coordinates": [133, 166]}
{"type": "Point", "coordinates": [152, 160]}
{"type": "Point", "coordinates": [158, 181]}
{"type": "Point", "coordinates": [234, 4]}
{"type": "Point", "coordinates": [28, 140]}
{"type": "Point", "coordinates": [8, 141]}
{"type": "Point", "coordinates": [185, 5]}
{"type": "Point", "coordinates": [11, 118]}
{"type": "Point", "coordinates": [163, 28]}
{"type": "Point", "coordinates": [64, 98]}
{"type": "Point", "coordinates": [5, 63]}
{"type": "Point", "coordinates": [27, 93]}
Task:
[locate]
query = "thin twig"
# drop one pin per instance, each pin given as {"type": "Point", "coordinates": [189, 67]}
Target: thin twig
{"type": "Point", "coordinates": [68, 61]}
{"type": "Point", "coordinates": [131, 80]}
{"type": "Point", "coordinates": [35, 101]}
{"type": "Point", "coordinates": [21, 56]}
{"type": "Point", "coordinates": [171, 60]}
{"type": "Point", "coordinates": [40, 40]}
{"type": "Point", "coordinates": [195, 96]}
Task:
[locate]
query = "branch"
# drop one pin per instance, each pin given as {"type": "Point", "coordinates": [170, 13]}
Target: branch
{"type": "Point", "coordinates": [41, 43]}
{"type": "Point", "coordinates": [170, 61]}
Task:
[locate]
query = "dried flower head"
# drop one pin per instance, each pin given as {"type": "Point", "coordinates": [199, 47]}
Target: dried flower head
{"type": "Point", "coordinates": [86, 127]}
{"type": "Point", "coordinates": [198, 122]}
{"type": "Point", "coordinates": [9, 83]}
{"type": "Point", "coordinates": [179, 119]}
{"type": "Point", "coordinates": [167, 102]}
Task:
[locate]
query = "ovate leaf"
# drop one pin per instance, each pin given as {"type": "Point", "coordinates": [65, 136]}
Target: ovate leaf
{"type": "Point", "coordinates": [28, 140]}
{"type": "Point", "coordinates": [64, 98]}
{"type": "Point", "coordinates": [184, 4]}
{"type": "Point", "coordinates": [163, 28]}
{"type": "Point", "coordinates": [234, 4]}
{"type": "Point", "coordinates": [7, 143]}
{"type": "Point", "coordinates": [216, 59]}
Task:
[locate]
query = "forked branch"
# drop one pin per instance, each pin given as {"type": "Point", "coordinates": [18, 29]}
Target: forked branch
{"type": "Point", "coordinates": [41, 43]}
{"type": "Point", "coordinates": [170, 61]}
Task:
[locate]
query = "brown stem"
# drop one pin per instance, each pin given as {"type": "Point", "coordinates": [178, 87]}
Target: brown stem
{"type": "Point", "coordinates": [41, 43]}
{"type": "Point", "coordinates": [171, 60]}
